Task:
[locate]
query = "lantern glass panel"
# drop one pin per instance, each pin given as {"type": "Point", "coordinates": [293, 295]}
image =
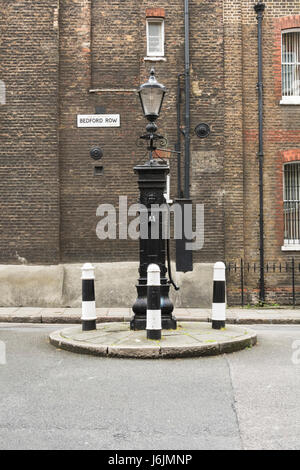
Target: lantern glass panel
{"type": "Point", "coordinates": [151, 98]}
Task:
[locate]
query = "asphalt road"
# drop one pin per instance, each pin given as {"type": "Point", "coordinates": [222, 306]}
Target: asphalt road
{"type": "Point", "coordinates": [52, 399]}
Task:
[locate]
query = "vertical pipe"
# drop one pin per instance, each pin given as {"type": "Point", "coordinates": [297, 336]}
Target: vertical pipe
{"type": "Point", "coordinates": [259, 8]}
{"type": "Point", "coordinates": [187, 100]}
{"type": "Point", "coordinates": [178, 144]}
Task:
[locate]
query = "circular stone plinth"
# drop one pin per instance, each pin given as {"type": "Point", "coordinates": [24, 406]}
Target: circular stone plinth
{"type": "Point", "coordinates": [191, 339]}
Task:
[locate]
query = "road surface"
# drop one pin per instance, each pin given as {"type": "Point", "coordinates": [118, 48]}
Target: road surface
{"type": "Point", "coordinates": [53, 399]}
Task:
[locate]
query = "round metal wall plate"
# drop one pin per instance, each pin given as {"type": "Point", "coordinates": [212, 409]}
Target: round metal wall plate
{"type": "Point", "coordinates": [202, 130]}
{"type": "Point", "coordinates": [96, 153]}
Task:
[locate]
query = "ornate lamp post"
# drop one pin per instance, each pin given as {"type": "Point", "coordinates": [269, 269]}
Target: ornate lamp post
{"type": "Point", "coordinates": [152, 183]}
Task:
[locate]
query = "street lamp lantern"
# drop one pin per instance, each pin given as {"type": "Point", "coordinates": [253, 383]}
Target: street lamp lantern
{"type": "Point", "coordinates": [152, 95]}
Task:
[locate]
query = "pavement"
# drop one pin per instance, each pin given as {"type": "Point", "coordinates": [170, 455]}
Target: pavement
{"type": "Point", "coordinates": [235, 315]}
{"type": "Point", "coordinates": [190, 339]}
{"type": "Point", "coordinates": [51, 399]}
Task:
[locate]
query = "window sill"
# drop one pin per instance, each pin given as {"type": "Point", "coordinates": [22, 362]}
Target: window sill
{"type": "Point", "coordinates": [294, 100]}
{"type": "Point", "coordinates": [291, 247]}
{"type": "Point", "coordinates": [155, 59]}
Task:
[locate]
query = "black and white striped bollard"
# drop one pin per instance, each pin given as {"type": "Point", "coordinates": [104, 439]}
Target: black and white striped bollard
{"type": "Point", "coordinates": [88, 317]}
{"type": "Point", "coordinates": [153, 325]}
{"type": "Point", "coordinates": [219, 297]}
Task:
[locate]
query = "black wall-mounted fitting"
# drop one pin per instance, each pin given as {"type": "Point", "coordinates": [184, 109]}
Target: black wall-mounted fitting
{"type": "Point", "coordinates": [202, 130]}
{"type": "Point", "coordinates": [98, 170]}
{"type": "Point", "coordinates": [100, 110]}
{"type": "Point", "coordinates": [96, 153]}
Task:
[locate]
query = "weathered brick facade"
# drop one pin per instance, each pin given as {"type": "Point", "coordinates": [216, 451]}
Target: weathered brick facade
{"type": "Point", "coordinates": [60, 58]}
{"type": "Point", "coordinates": [29, 169]}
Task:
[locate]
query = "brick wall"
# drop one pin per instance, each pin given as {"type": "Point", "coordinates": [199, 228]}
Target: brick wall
{"type": "Point", "coordinates": [97, 50]}
{"type": "Point", "coordinates": [29, 202]}
{"type": "Point", "coordinates": [60, 59]}
{"type": "Point", "coordinates": [281, 138]}
{"type": "Point", "coordinates": [207, 105]}
{"type": "Point", "coordinates": [103, 46]}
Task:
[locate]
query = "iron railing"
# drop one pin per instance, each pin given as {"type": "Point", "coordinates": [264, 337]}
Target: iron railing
{"type": "Point", "coordinates": [289, 270]}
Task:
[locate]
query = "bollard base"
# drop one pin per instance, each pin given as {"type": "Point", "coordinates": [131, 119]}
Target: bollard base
{"type": "Point", "coordinates": [153, 334]}
{"type": "Point", "coordinates": [187, 341]}
{"type": "Point", "coordinates": [169, 323]}
{"type": "Point", "coordinates": [218, 324]}
{"type": "Point", "coordinates": [88, 325]}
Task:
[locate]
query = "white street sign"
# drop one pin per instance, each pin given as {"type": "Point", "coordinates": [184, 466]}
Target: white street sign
{"type": "Point", "coordinates": [98, 120]}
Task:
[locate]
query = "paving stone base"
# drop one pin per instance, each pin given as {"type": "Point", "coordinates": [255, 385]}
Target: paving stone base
{"type": "Point", "coordinates": [191, 339]}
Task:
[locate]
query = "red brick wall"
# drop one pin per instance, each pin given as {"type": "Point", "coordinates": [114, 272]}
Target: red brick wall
{"type": "Point", "coordinates": [155, 12]}
{"type": "Point", "coordinates": [281, 134]}
{"type": "Point", "coordinates": [281, 125]}
{"type": "Point", "coordinates": [280, 24]}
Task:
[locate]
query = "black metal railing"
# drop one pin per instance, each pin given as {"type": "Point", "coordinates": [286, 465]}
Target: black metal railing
{"type": "Point", "coordinates": [288, 269]}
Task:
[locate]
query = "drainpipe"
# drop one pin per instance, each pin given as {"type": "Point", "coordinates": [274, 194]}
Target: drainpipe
{"type": "Point", "coordinates": [184, 257]}
{"type": "Point", "coordinates": [187, 100]}
{"type": "Point", "coordinates": [179, 132]}
{"type": "Point", "coordinates": [259, 8]}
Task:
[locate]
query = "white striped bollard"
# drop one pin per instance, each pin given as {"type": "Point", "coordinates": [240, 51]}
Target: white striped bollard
{"type": "Point", "coordinates": [88, 318]}
{"type": "Point", "coordinates": [153, 325]}
{"type": "Point", "coordinates": [219, 297]}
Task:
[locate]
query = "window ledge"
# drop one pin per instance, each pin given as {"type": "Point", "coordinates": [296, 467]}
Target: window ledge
{"type": "Point", "coordinates": [290, 100]}
{"type": "Point", "coordinates": [291, 247]}
{"type": "Point", "coordinates": [155, 59]}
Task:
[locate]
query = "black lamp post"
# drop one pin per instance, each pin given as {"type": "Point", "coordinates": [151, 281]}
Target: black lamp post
{"type": "Point", "coordinates": [152, 183]}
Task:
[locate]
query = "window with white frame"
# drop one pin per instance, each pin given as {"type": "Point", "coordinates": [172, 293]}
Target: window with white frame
{"type": "Point", "coordinates": [290, 66]}
{"type": "Point", "coordinates": [291, 195]}
{"type": "Point", "coordinates": [155, 37]}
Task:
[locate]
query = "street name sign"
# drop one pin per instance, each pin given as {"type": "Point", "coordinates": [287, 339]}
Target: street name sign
{"type": "Point", "coordinates": [98, 120]}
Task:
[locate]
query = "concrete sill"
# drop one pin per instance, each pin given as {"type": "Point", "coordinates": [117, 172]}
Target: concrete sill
{"type": "Point", "coordinates": [293, 100]}
{"type": "Point", "coordinates": [291, 247]}
{"type": "Point", "coordinates": [155, 59]}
